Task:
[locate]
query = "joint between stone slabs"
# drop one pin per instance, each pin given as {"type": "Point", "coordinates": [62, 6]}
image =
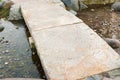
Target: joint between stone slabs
{"type": "Point", "coordinates": [58, 26]}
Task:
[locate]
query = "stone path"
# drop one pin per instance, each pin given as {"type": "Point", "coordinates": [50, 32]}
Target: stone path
{"type": "Point", "coordinates": [20, 79]}
{"type": "Point", "coordinates": [67, 47]}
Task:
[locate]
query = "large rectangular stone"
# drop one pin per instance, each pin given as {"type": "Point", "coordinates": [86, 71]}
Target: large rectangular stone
{"type": "Point", "coordinates": [72, 52]}
{"type": "Point", "coordinates": [44, 15]}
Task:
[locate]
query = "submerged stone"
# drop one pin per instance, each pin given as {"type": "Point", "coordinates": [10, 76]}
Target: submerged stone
{"type": "Point", "coordinates": [1, 28]}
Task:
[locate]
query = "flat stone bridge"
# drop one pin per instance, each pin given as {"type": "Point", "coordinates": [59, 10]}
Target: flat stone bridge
{"type": "Point", "coordinates": [67, 47]}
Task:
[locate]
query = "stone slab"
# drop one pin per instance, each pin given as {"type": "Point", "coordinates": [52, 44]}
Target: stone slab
{"type": "Point", "coordinates": [20, 79]}
{"type": "Point", "coordinates": [44, 15]}
{"type": "Point", "coordinates": [72, 52]}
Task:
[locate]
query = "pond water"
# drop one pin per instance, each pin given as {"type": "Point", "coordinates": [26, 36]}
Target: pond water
{"type": "Point", "coordinates": [16, 59]}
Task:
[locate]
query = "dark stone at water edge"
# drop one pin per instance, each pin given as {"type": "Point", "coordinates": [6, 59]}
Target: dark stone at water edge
{"type": "Point", "coordinates": [1, 28]}
{"type": "Point", "coordinates": [116, 6]}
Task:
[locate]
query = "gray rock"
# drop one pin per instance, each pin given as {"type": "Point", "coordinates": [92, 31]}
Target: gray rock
{"type": "Point", "coordinates": [75, 4]}
{"type": "Point", "coordinates": [114, 43]}
{"type": "Point", "coordinates": [116, 6]}
{"type": "Point", "coordinates": [90, 78]}
{"type": "Point", "coordinates": [114, 73]}
{"type": "Point", "coordinates": [83, 6]}
{"type": "Point", "coordinates": [95, 77]}
{"type": "Point", "coordinates": [1, 28]}
{"type": "Point", "coordinates": [15, 13]}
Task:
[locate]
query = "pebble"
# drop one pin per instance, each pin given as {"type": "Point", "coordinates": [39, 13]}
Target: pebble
{"type": "Point", "coordinates": [90, 78]}
{"type": "Point", "coordinates": [6, 51]}
{"type": "Point", "coordinates": [3, 52]}
{"type": "Point", "coordinates": [1, 28]}
{"type": "Point", "coordinates": [1, 39]}
{"type": "Point", "coordinates": [16, 59]}
{"type": "Point", "coordinates": [27, 50]}
{"type": "Point", "coordinates": [6, 63]}
{"type": "Point", "coordinates": [0, 57]}
{"type": "Point", "coordinates": [92, 10]}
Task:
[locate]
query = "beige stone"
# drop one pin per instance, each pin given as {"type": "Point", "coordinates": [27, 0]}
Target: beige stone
{"type": "Point", "coordinates": [46, 15]}
{"type": "Point", "coordinates": [73, 52]}
{"type": "Point", "coordinates": [68, 48]}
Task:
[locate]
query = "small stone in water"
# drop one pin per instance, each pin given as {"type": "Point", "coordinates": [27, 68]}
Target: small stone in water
{"type": "Point", "coordinates": [1, 28]}
{"type": "Point", "coordinates": [6, 63]}
{"type": "Point", "coordinates": [92, 10]}
{"type": "Point", "coordinates": [0, 57]}
{"type": "Point", "coordinates": [27, 50]}
{"type": "Point", "coordinates": [7, 51]}
{"type": "Point", "coordinates": [17, 59]}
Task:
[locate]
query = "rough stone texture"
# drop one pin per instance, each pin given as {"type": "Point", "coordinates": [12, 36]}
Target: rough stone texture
{"type": "Point", "coordinates": [48, 15]}
{"type": "Point", "coordinates": [73, 4]}
{"type": "Point", "coordinates": [116, 6]}
{"type": "Point", "coordinates": [15, 12]}
{"type": "Point", "coordinates": [68, 49]}
{"type": "Point", "coordinates": [73, 51]}
{"type": "Point", "coordinates": [58, 2]}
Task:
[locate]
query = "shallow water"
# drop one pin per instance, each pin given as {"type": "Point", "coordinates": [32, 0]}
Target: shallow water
{"type": "Point", "coordinates": [15, 53]}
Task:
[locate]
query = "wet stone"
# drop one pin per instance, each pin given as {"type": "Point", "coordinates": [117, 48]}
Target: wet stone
{"type": "Point", "coordinates": [114, 73]}
{"type": "Point", "coordinates": [98, 77]}
{"type": "Point", "coordinates": [1, 28]}
{"type": "Point", "coordinates": [90, 78]}
{"type": "Point", "coordinates": [6, 63]}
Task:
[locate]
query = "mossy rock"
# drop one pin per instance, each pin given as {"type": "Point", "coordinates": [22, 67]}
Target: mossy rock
{"type": "Point", "coordinates": [4, 13]}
